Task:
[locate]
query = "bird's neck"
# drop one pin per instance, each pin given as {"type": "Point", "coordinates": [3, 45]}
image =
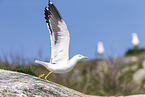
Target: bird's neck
{"type": "Point", "coordinates": [73, 61]}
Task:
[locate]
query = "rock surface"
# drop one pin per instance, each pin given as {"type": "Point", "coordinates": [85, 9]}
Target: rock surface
{"type": "Point", "coordinates": [139, 76]}
{"type": "Point", "coordinates": [14, 84]}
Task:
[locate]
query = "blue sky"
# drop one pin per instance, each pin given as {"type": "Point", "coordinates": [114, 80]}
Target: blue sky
{"type": "Point", "coordinates": [23, 28]}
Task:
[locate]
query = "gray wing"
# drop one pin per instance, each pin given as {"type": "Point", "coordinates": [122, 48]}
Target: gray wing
{"type": "Point", "coordinates": [59, 34]}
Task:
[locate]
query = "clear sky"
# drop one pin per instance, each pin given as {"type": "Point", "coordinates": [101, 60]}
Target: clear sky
{"type": "Point", "coordinates": [23, 28]}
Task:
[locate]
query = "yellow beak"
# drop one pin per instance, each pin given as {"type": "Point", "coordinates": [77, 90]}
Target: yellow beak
{"type": "Point", "coordinates": [85, 57]}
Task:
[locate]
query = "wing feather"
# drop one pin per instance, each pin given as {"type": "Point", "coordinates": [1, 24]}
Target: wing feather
{"type": "Point", "coordinates": [59, 34]}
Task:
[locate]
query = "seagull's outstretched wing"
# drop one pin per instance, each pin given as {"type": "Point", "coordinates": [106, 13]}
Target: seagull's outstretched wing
{"type": "Point", "coordinates": [59, 34]}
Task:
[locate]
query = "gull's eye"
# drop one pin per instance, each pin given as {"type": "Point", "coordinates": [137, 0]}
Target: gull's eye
{"type": "Point", "coordinates": [79, 55]}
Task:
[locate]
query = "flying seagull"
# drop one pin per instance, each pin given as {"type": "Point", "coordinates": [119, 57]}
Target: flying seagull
{"type": "Point", "coordinates": [60, 38]}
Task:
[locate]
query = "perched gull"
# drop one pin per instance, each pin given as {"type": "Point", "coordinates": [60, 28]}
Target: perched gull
{"type": "Point", "coordinates": [60, 38]}
{"type": "Point", "coordinates": [135, 40]}
{"type": "Point", "coordinates": [100, 48]}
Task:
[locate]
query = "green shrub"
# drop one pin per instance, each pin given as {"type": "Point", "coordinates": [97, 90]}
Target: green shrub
{"type": "Point", "coordinates": [131, 52]}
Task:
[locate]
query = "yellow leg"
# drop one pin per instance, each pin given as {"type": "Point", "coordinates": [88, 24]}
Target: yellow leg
{"type": "Point", "coordinates": [42, 74]}
{"type": "Point", "coordinates": [47, 75]}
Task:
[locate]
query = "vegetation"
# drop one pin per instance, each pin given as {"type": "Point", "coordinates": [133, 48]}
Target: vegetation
{"type": "Point", "coordinates": [134, 51]}
{"type": "Point", "coordinates": [94, 77]}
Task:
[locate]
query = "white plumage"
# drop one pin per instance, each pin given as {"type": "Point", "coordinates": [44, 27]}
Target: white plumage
{"type": "Point", "coordinates": [100, 48]}
{"type": "Point", "coordinates": [135, 39]}
{"type": "Point", "coordinates": [60, 38]}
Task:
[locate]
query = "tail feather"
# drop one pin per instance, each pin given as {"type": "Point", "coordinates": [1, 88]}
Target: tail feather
{"type": "Point", "coordinates": [45, 64]}
{"type": "Point", "coordinates": [40, 62]}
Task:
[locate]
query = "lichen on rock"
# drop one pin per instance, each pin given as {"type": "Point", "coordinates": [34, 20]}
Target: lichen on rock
{"type": "Point", "coordinates": [15, 84]}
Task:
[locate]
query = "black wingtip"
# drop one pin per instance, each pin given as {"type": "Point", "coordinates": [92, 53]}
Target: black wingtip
{"type": "Point", "coordinates": [50, 3]}
{"type": "Point", "coordinates": [46, 13]}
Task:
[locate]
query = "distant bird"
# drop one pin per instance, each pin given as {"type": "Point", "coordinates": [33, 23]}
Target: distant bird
{"type": "Point", "coordinates": [135, 40]}
{"type": "Point", "coordinates": [60, 38]}
{"type": "Point", "coordinates": [100, 48]}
